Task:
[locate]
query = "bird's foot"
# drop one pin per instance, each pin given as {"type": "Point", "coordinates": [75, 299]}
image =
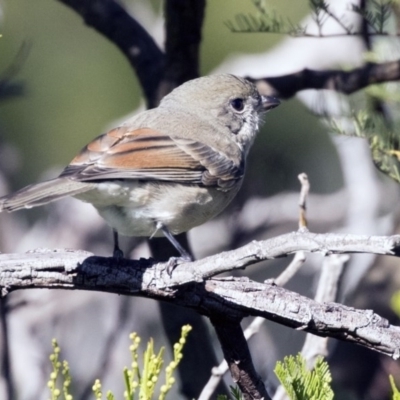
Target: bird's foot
{"type": "Point", "coordinates": [118, 253]}
{"type": "Point", "coordinates": [173, 262]}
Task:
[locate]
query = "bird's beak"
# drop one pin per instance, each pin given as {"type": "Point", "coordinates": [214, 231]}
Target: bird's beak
{"type": "Point", "coordinates": [268, 103]}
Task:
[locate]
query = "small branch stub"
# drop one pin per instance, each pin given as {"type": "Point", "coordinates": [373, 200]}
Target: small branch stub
{"type": "Point", "coordinates": [305, 189]}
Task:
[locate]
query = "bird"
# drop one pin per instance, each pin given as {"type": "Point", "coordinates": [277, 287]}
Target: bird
{"type": "Point", "coordinates": [167, 169]}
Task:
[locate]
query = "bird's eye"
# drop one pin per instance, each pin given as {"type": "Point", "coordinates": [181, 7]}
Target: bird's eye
{"type": "Point", "coordinates": [237, 104]}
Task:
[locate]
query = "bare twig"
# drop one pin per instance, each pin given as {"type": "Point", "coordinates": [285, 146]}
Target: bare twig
{"type": "Point", "coordinates": [216, 375]}
{"type": "Point", "coordinates": [327, 289]}
{"type": "Point", "coordinates": [5, 351]}
{"type": "Point", "coordinates": [305, 189]}
{"type": "Point", "coordinates": [300, 256]}
{"type": "Point", "coordinates": [110, 19]}
{"type": "Point", "coordinates": [331, 273]}
{"type": "Point", "coordinates": [347, 82]}
{"type": "Point", "coordinates": [288, 273]}
{"type": "Point", "coordinates": [339, 20]}
{"type": "Point", "coordinates": [8, 88]}
{"type": "Point", "coordinates": [103, 365]}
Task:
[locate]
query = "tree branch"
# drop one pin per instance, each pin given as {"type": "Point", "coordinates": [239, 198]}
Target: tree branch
{"type": "Point", "coordinates": [218, 372]}
{"type": "Point", "coordinates": [183, 24]}
{"type": "Point", "coordinates": [111, 20]}
{"type": "Point", "coordinates": [236, 298]}
{"type": "Point", "coordinates": [9, 88]}
{"type": "Point", "coordinates": [200, 270]}
{"type": "Point", "coordinates": [346, 82]}
{"type": "Point", "coordinates": [237, 354]}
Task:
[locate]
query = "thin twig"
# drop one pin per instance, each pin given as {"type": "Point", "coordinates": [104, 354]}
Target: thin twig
{"type": "Point", "coordinates": [9, 88]}
{"type": "Point", "coordinates": [339, 20]}
{"type": "Point", "coordinates": [216, 376]}
{"type": "Point", "coordinates": [288, 273]}
{"type": "Point", "coordinates": [5, 347]}
{"type": "Point", "coordinates": [108, 349]}
{"type": "Point", "coordinates": [305, 189]}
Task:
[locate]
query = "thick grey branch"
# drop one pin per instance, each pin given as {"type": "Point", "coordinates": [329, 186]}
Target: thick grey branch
{"type": "Point", "coordinates": [190, 284]}
{"type": "Point", "coordinates": [198, 271]}
{"type": "Point", "coordinates": [323, 319]}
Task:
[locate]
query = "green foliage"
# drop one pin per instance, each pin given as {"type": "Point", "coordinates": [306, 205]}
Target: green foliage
{"type": "Point", "coordinates": [144, 380]}
{"type": "Point", "coordinates": [138, 381]}
{"type": "Point", "coordinates": [395, 302]}
{"type": "Point", "coordinates": [98, 394]}
{"type": "Point", "coordinates": [302, 384]}
{"type": "Point", "coordinates": [377, 14]}
{"type": "Point", "coordinates": [235, 393]}
{"type": "Point", "coordinates": [384, 141]}
{"type": "Point", "coordinates": [265, 20]}
{"type": "Point", "coordinates": [59, 376]}
{"type": "Point", "coordinates": [396, 392]}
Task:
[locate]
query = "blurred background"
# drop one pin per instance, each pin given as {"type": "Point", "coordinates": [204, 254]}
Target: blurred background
{"type": "Point", "coordinates": [75, 84]}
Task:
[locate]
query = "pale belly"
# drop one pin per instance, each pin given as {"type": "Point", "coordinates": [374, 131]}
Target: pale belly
{"type": "Point", "coordinates": [135, 208]}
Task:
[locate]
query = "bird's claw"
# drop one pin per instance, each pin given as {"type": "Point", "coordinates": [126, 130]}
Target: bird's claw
{"type": "Point", "coordinates": [173, 262]}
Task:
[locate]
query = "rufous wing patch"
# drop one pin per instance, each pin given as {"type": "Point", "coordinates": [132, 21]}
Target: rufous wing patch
{"type": "Point", "coordinates": [149, 154]}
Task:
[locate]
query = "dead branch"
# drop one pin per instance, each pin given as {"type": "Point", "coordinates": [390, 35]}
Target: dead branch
{"type": "Point", "coordinates": [112, 20]}
{"type": "Point", "coordinates": [190, 284]}
{"type": "Point", "coordinates": [347, 82]}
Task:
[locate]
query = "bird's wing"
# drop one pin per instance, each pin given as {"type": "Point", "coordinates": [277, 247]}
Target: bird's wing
{"type": "Point", "coordinates": [149, 154]}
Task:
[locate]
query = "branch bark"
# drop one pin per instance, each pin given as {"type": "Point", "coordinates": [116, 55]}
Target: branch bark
{"type": "Point", "coordinates": [347, 82]}
{"type": "Point", "coordinates": [237, 354]}
{"type": "Point", "coordinates": [112, 20]}
{"type": "Point", "coordinates": [183, 25]}
{"type": "Point", "coordinates": [190, 285]}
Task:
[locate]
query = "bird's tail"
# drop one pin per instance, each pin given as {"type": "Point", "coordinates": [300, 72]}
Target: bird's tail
{"type": "Point", "coordinates": [42, 193]}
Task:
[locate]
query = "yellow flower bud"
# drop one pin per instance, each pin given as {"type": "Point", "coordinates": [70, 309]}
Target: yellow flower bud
{"type": "Point", "coordinates": [163, 389]}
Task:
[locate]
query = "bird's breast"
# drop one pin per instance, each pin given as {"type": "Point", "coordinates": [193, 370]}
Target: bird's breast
{"type": "Point", "coordinates": [134, 208]}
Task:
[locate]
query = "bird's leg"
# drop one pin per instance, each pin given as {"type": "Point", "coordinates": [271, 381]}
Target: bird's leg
{"type": "Point", "coordinates": [117, 253]}
{"type": "Point", "coordinates": [184, 255]}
